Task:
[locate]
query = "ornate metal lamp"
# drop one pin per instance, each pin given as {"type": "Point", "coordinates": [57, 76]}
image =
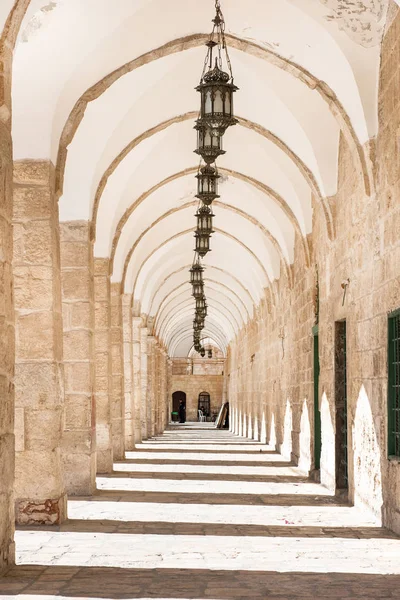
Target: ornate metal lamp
{"type": "Point", "coordinates": [209, 353]}
{"type": "Point", "coordinates": [216, 86]}
{"type": "Point", "coordinates": [209, 143]}
{"type": "Point", "coordinates": [196, 273]}
{"type": "Point", "coordinates": [207, 184]}
{"type": "Point", "coordinates": [202, 244]}
{"type": "Point", "coordinates": [199, 319]}
{"type": "Point", "coordinates": [197, 327]}
{"type": "Point", "coordinates": [202, 352]}
{"type": "Point", "coordinates": [198, 290]}
{"type": "Point", "coordinates": [204, 220]}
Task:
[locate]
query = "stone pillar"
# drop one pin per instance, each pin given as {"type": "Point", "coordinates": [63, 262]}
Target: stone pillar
{"type": "Point", "coordinates": [79, 439]}
{"type": "Point", "coordinates": [103, 380]}
{"type": "Point", "coordinates": [39, 486]}
{"type": "Point", "coordinates": [169, 391]}
{"type": "Point", "coordinates": [157, 389]}
{"type": "Point", "coordinates": [151, 384]}
{"type": "Point", "coordinates": [117, 363]}
{"type": "Point", "coordinates": [163, 390]}
{"type": "Point", "coordinates": [7, 332]}
{"type": "Point", "coordinates": [128, 372]}
{"type": "Point", "coordinates": [143, 381]}
{"type": "Point", "coordinates": [137, 383]}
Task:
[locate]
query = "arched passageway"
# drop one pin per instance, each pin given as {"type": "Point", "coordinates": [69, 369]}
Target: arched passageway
{"type": "Point", "coordinates": [97, 203]}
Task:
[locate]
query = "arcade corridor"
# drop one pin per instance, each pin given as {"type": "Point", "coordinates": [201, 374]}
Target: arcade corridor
{"type": "Point", "coordinates": [199, 513]}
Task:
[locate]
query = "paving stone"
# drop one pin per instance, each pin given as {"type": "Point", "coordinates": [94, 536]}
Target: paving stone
{"type": "Point", "coordinates": [164, 541]}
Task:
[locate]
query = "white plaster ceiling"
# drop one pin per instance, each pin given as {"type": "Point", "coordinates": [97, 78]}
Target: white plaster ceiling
{"type": "Point", "coordinates": [304, 71]}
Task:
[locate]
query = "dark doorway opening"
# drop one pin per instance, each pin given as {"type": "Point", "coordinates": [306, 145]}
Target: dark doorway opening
{"type": "Point", "coordinates": [317, 412]}
{"type": "Point", "coordinates": [204, 404]}
{"type": "Point", "coordinates": [177, 397]}
{"type": "Point", "coordinates": [341, 442]}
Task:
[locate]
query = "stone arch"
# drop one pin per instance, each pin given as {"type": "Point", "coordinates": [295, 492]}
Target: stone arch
{"type": "Point", "coordinates": [305, 171]}
{"type": "Point", "coordinates": [192, 41]}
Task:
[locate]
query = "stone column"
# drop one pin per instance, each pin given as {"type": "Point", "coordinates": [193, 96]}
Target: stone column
{"type": "Point", "coordinates": [7, 332]}
{"type": "Point", "coordinates": [117, 399]}
{"type": "Point", "coordinates": [157, 386]}
{"type": "Point", "coordinates": [151, 384]}
{"type": "Point", "coordinates": [128, 372]}
{"type": "Point", "coordinates": [143, 381]}
{"type": "Point", "coordinates": [39, 486]}
{"type": "Point", "coordinates": [79, 439]}
{"type": "Point", "coordinates": [169, 391]}
{"type": "Point", "coordinates": [137, 384]}
{"type": "Point", "coordinates": [103, 373]}
{"type": "Point", "coordinates": [164, 390]}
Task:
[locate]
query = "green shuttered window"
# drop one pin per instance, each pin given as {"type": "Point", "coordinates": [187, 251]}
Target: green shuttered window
{"type": "Point", "coordinates": [394, 384]}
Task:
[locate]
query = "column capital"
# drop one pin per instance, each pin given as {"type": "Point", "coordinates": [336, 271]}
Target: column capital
{"type": "Point", "coordinates": [151, 340]}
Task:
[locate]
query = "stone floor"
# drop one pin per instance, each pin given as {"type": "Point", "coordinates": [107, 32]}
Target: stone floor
{"type": "Point", "coordinates": [201, 514]}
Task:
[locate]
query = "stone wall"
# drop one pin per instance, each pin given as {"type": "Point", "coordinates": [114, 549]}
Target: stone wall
{"type": "Point", "coordinates": [7, 334]}
{"type": "Point", "coordinates": [199, 377]}
{"type": "Point", "coordinates": [269, 372]}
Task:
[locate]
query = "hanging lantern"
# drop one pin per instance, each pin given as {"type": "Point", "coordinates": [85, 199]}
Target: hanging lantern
{"type": "Point", "coordinates": [201, 303]}
{"type": "Point", "coordinates": [202, 352]}
{"type": "Point", "coordinates": [216, 86]}
{"type": "Point", "coordinates": [207, 184]}
{"type": "Point", "coordinates": [196, 273]}
{"type": "Point", "coordinates": [209, 143]}
{"type": "Point", "coordinates": [216, 89]}
{"type": "Point", "coordinates": [204, 220]}
{"type": "Point", "coordinates": [209, 353]}
{"type": "Point", "coordinates": [197, 327]}
{"type": "Point", "coordinates": [202, 244]}
{"type": "Point", "coordinates": [199, 319]}
{"type": "Point", "coordinates": [198, 290]}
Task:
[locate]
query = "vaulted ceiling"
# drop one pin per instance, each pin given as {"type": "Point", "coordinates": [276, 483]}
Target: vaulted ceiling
{"type": "Point", "coordinates": [106, 91]}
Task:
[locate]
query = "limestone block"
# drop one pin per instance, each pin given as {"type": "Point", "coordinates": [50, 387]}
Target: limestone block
{"type": "Point", "coordinates": [77, 345]}
{"type": "Point", "coordinates": [33, 172]}
{"type": "Point", "coordinates": [37, 243]}
{"type": "Point", "coordinates": [77, 411]}
{"type": "Point", "coordinates": [38, 385]}
{"type": "Point", "coordinates": [42, 429]}
{"type": "Point", "coordinates": [77, 466]}
{"type": "Point", "coordinates": [33, 287]}
{"type": "Point", "coordinates": [7, 347]}
{"type": "Point", "coordinates": [38, 471]}
{"type": "Point", "coordinates": [77, 377]}
{"type": "Point", "coordinates": [35, 336]}
{"type": "Point", "coordinates": [74, 255]}
{"type": "Point", "coordinates": [7, 453]}
{"type": "Point", "coordinates": [75, 285]}
{"type": "Point", "coordinates": [102, 385]}
{"type": "Point", "coordinates": [31, 202]}
{"type": "Point", "coordinates": [101, 314]}
{"type": "Point", "coordinates": [80, 315]}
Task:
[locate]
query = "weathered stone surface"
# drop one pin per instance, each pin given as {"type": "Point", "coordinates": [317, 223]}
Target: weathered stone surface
{"type": "Point", "coordinates": [38, 368]}
{"type": "Point", "coordinates": [194, 376]}
{"type": "Point", "coordinates": [79, 439]}
{"type": "Point", "coordinates": [117, 369]}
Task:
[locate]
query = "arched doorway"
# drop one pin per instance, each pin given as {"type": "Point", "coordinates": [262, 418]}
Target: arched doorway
{"type": "Point", "coordinates": [176, 400]}
{"type": "Point", "coordinates": [204, 403]}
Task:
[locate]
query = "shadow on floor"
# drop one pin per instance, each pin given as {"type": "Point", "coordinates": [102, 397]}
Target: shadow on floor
{"type": "Point", "coordinates": [215, 529]}
{"type": "Point", "coordinates": [199, 498]}
{"type": "Point", "coordinates": [207, 477]}
{"type": "Point", "coordinates": [119, 584]}
{"type": "Point", "coordinates": [208, 463]}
